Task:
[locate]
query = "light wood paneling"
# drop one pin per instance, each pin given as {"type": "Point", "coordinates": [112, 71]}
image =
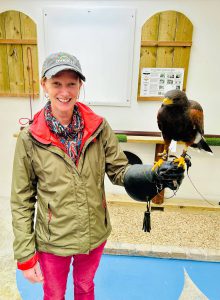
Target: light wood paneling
{"type": "Point", "coordinates": [18, 55]}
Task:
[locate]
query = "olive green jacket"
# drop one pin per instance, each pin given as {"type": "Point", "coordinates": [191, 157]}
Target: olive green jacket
{"type": "Point", "coordinates": [71, 215]}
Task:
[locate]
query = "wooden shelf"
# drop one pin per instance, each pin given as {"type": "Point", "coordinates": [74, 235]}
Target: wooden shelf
{"type": "Point", "coordinates": [144, 139]}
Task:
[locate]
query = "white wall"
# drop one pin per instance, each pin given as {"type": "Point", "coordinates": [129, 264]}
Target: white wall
{"type": "Point", "coordinates": [202, 86]}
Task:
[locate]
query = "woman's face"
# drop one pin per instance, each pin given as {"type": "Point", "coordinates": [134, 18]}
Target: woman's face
{"type": "Point", "coordinates": [63, 90]}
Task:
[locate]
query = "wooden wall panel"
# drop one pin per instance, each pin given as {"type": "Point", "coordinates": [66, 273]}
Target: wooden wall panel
{"type": "Point", "coordinates": [165, 43]}
{"type": "Point", "coordinates": [183, 29]}
{"type": "Point", "coordinates": [34, 76]}
{"type": "Point", "coordinates": [16, 72]}
{"type": "Point", "coordinates": [164, 57]}
{"type": "Point", "coordinates": [150, 29]}
{"type": "Point", "coordinates": [28, 27]}
{"type": "Point", "coordinates": [167, 26]}
{"type": "Point", "coordinates": [4, 76]}
{"type": "Point", "coordinates": [30, 55]}
{"type": "Point", "coordinates": [18, 76]}
{"type": "Point", "coordinates": [148, 54]}
{"type": "Point", "coordinates": [181, 58]}
{"type": "Point", "coordinates": [15, 61]}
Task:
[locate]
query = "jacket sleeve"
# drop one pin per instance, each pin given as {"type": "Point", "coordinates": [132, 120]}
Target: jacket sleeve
{"type": "Point", "coordinates": [116, 163]}
{"type": "Point", "coordinates": [23, 199]}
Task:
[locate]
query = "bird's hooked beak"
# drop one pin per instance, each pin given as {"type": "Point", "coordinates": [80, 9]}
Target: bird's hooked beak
{"type": "Point", "coordinates": [167, 101]}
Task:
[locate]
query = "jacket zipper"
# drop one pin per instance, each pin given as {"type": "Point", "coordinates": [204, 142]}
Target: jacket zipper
{"type": "Point", "coordinates": [88, 141]}
{"type": "Point", "coordinates": [49, 219]}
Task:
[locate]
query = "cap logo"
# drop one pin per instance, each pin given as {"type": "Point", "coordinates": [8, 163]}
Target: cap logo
{"type": "Point", "coordinates": [64, 59]}
{"type": "Point", "coordinates": [60, 61]}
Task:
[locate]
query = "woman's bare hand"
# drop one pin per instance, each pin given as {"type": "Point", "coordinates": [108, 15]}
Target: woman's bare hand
{"type": "Point", "coordinates": [34, 274]}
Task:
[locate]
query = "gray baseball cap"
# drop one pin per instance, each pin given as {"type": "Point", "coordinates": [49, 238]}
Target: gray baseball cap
{"type": "Point", "coordinates": [60, 61]}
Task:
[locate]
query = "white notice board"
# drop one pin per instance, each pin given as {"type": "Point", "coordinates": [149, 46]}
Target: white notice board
{"type": "Point", "coordinates": [102, 39]}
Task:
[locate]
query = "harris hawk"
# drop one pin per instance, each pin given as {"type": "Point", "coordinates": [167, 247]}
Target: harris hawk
{"type": "Point", "coordinates": [180, 119]}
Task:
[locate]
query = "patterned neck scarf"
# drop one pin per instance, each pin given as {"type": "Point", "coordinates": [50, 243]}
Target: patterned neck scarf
{"type": "Point", "coordinates": [70, 136]}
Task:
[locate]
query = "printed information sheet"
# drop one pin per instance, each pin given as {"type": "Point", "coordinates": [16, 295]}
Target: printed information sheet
{"type": "Point", "coordinates": [157, 81]}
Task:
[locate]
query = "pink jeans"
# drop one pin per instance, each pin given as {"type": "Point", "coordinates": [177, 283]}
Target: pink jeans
{"type": "Point", "coordinates": [55, 270]}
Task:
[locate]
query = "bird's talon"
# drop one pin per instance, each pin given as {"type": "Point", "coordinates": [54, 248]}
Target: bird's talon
{"type": "Point", "coordinates": [158, 164]}
{"type": "Point", "coordinates": [163, 155]}
{"type": "Point", "coordinates": [180, 161]}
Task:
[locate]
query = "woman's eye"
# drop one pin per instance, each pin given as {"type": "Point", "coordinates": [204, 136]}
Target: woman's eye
{"type": "Point", "coordinates": [56, 84]}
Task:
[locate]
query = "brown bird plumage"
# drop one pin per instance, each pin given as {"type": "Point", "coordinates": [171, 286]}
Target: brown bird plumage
{"type": "Point", "coordinates": [181, 119]}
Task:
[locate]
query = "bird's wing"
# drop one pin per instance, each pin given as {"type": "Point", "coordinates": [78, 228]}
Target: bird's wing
{"type": "Point", "coordinates": [161, 119]}
{"type": "Point", "coordinates": [162, 123]}
{"type": "Point", "coordinates": [196, 116]}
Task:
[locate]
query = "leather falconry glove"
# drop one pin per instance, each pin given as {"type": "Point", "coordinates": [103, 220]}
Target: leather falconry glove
{"type": "Point", "coordinates": [143, 184]}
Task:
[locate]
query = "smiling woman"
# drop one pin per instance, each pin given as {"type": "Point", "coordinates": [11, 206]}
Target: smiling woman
{"type": "Point", "coordinates": [60, 159]}
{"type": "Point", "coordinates": [61, 80]}
{"type": "Point", "coordinates": [63, 91]}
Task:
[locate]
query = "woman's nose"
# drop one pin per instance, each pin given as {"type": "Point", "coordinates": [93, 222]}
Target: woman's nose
{"type": "Point", "coordinates": [64, 92]}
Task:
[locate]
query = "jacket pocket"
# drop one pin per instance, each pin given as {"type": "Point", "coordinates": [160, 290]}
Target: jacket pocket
{"type": "Point", "coordinates": [49, 220]}
{"type": "Point", "coordinates": [104, 204]}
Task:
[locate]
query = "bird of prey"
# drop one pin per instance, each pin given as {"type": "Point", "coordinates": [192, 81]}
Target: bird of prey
{"type": "Point", "coordinates": [180, 119]}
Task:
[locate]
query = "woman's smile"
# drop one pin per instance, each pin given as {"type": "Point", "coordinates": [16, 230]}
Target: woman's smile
{"type": "Point", "coordinates": [65, 100]}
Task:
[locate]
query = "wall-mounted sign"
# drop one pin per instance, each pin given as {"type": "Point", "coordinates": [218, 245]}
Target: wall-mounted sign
{"type": "Point", "coordinates": [157, 81]}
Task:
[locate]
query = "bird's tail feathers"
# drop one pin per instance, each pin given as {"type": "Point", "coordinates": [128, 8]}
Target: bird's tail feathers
{"type": "Point", "coordinates": [203, 146]}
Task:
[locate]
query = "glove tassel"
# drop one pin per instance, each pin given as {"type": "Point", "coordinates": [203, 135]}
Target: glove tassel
{"type": "Point", "coordinates": [147, 222]}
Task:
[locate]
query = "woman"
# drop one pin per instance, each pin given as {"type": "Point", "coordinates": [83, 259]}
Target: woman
{"type": "Point", "coordinates": [60, 162]}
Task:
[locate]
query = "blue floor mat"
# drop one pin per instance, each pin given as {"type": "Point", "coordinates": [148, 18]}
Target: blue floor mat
{"type": "Point", "coordinates": [140, 278]}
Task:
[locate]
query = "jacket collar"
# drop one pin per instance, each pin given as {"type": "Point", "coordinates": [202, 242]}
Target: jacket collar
{"type": "Point", "coordinates": [41, 132]}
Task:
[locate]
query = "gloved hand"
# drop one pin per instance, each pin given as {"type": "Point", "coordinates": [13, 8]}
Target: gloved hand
{"type": "Point", "coordinates": [169, 175]}
{"type": "Point", "coordinates": [143, 184]}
